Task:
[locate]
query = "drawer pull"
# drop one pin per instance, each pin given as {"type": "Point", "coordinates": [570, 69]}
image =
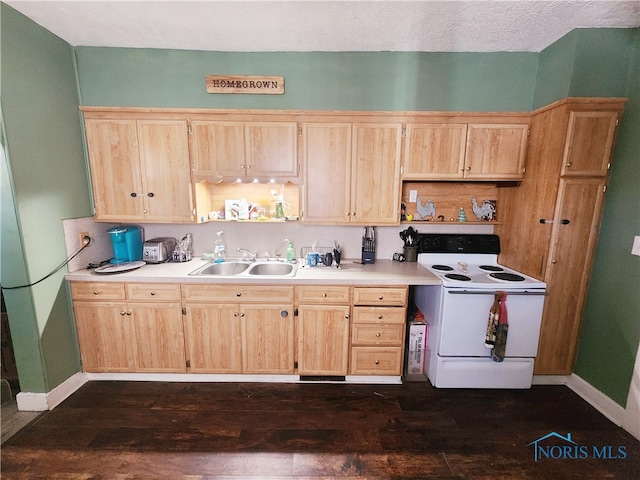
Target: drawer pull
{"type": "Point", "coordinates": [96, 292]}
{"type": "Point", "coordinates": [378, 334]}
{"type": "Point", "coordinates": [377, 362]}
{"type": "Point", "coordinates": [381, 297]}
{"type": "Point", "coordinates": [379, 317]}
{"type": "Point", "coordinates": [239, 294]}
{"type": "Point", "coordinates": [324, 295]}
{"type": "Point", "coordinates": [152, 293]}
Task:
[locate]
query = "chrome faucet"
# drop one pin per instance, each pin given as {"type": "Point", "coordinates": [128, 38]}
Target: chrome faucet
{"type": "Point", "coordinates": [248, 254]}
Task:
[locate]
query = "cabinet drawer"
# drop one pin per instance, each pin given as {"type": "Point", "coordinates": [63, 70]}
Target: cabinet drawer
{"type": "Point", "coordinates": [237, 293]}
{"type": "Point", "coordinates": [372, 334]}
{"type": "Point", "coordinates": [153, 291]}
{"type": "Point", "coordinates": [376, 361]}
{"type": "Point", "coordinates": [379, 315]}
{"type": "Point", "coordinates": [97, 291]}
{"type": "Point", "coordinates": [380, 296]}
{"type": "Point", "coordinates": [323, 294]}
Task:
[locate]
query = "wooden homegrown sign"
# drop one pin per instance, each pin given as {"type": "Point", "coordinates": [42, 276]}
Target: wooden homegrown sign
{"type": "Point", "coordinates": [245, 84]}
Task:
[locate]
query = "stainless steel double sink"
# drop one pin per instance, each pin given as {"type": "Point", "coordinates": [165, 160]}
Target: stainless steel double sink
{"type": "Point", "coordinates": [240, 268]}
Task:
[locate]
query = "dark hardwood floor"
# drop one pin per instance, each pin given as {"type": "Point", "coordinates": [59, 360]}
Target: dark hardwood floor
{"type": "Point", "coordinates": [310, 431]}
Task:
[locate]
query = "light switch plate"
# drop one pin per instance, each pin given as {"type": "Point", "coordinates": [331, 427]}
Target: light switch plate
{"type": "Point", "coordinates": [635, 250]}
{"type": "Point", "coordinates": [413, 196]}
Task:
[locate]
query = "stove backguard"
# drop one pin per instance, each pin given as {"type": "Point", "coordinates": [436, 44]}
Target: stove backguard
{"type": "Point", "coordinates": [456, 243]}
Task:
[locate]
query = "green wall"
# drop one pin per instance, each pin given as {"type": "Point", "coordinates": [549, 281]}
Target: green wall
{"type": "Point", "coordinates": [313, 81]}
{"type": "Point", "coordinates": [44, 181]}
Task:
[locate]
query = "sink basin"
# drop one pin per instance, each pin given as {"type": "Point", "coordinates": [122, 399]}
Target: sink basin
{"type": "Point", "coordinates": [272, 269]}
{"type": "Point", "coordinates": [237, 268]}
{"type": "Point", "coordinates": [222, 269]}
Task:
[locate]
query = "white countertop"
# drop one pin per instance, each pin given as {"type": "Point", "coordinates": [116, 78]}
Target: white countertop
{"type": "Point", "coordinates": [383, 272]}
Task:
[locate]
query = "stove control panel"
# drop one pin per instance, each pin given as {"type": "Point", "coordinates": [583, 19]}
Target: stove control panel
{"type": "Point", "coordinates": [452, 243]}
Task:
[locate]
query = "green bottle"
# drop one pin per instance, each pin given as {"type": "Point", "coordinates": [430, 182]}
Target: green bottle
{"type": "Point", "coordinates": [291, 252]}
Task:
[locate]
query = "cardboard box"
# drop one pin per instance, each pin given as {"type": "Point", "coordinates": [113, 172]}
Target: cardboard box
{"type": "Point", "coordinates": [415, 353]}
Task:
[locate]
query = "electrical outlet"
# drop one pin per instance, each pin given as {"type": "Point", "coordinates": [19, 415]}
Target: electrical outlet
{"type": "Point", "coordinates": [81, 237]}
{"type": "Point", "coordinates": [413, 196]}
{"type": "Point", "coordinates": [635, 249]}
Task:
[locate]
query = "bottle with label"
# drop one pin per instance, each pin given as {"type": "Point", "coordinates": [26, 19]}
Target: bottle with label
{"type": "Point", "coordinates": [219, 248]}
{"type": "Point", "coordinates": [291, 252]}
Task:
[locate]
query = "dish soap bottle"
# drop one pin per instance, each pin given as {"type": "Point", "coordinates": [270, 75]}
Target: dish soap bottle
{"type": "Point", "coordinates": [219, 248]}
{"type": "Point", "coordinates": [291, 252]}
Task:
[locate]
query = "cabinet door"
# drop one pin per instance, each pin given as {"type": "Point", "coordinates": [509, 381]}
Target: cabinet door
{"type": "Point", "coordinates": [495, 151]}
{"type": "Point", "coordinates": [434, 152]}
{"type": "Point", "coordinates": [116, 174]}
{"type": "Point", "coordinates": [271, 149]}
{"type": "Point", "coordinates": [327, 167]}
{"type": "Point", "coordinates": [164, 151]}
{"type": "Point", "coordinates": [567, 275]}
{"type": "Point", "coordinates": [213, 338]}
{"type": "Point", "coordinates": [375, 174]}
{"type": "Point", "coordinates": [158, 337]}
{"type": "Point", "coordinates": [323, 339]}
{"type": "Point", "coordinates": [217, 148]}
{"type": "Point", "coordinates": [589, 143]}
{"type": "Point", "coordinates": [267, 338]}
{"type": "Point", "coordinates": [104, 335]}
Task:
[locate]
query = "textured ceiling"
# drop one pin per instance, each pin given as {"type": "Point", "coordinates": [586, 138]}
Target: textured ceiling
{"type": "Point", "coordinates": [308, 25]}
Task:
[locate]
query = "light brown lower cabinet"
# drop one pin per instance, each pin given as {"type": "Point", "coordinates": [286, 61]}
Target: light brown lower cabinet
{"type": "Point", "coordinates": [213, 339]}
{"type": "Point", "coordinates": [377, 330]}
{"type": "Point", "coordinates": [323, 330]}
{"type": "Point", "coordinates": [239, 328]}
{"type": "Point", "coordinates": [120, 331]}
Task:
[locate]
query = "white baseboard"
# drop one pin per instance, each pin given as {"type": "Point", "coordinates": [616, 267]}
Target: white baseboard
{"type": "Point", "coordinates": [229, 378]}
{"type": "Point", "coordinates": [40, 402]}
{"type": "Point", "coordinates": [32, 402]}
{"type": "Point", "coordinates": [597, 399]}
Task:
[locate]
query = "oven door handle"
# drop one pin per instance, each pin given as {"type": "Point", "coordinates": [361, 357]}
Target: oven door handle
{"type": "Point", "coordinates": [493, 292]}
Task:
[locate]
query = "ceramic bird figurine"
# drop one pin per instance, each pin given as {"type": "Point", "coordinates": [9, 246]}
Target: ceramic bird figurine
{"type": "Point", "coordinates": [486, 211]}
{"type": "Point", "coordinates": [427, 210]}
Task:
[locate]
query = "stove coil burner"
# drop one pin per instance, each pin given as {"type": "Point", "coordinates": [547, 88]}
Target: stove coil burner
{"type": "Point", "coordinates": [507, 277]}
{"type": "Point", "coordinates": [443, 268]}
{"type": "Point", "coordinates": [457, 276]}
{"type": "Point", "coordinates": [491, 268]}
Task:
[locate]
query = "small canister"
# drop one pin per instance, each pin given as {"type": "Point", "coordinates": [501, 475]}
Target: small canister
{"type": "Point", "coordinates": [313, 259]}
{"type": "Point", "coordinates": [327, 259]}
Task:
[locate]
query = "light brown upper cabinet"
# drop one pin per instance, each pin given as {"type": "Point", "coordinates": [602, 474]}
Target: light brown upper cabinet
{"type": "Point", "coordinates": [351, 173]}
{"type": "Point", "coordinates": [470, 151]}
{"type": "Point", "coordinates": [139, 169]}
{"type": "Point", "coordinates": [244, 149]}
{"type": "Point", "coordinates": [435, 151]}
{"type": "Point", "coordinates": [590, 140]}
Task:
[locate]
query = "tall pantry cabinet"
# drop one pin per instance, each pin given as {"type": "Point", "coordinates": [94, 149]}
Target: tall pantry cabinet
{"type": "Point", "coordinates": [551, 221]}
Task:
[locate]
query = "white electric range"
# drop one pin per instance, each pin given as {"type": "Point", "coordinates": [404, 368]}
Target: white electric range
{"type": "Point", "coordinates": [458, 311]}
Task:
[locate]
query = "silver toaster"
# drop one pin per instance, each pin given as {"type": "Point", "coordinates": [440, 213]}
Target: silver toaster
{"type": "Point", "coordinates": [158, 250]}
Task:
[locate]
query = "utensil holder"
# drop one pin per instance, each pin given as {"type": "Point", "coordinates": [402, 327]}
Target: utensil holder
{"type": "Point", "coordinates": [410, 254]}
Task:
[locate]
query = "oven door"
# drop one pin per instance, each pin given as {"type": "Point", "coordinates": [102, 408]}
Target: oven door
{"type": "Point", "coordinates": [465, 315]}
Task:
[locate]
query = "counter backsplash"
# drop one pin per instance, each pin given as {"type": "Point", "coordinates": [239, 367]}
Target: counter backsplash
{"type": "Point", "coordinates": [255, 236]}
